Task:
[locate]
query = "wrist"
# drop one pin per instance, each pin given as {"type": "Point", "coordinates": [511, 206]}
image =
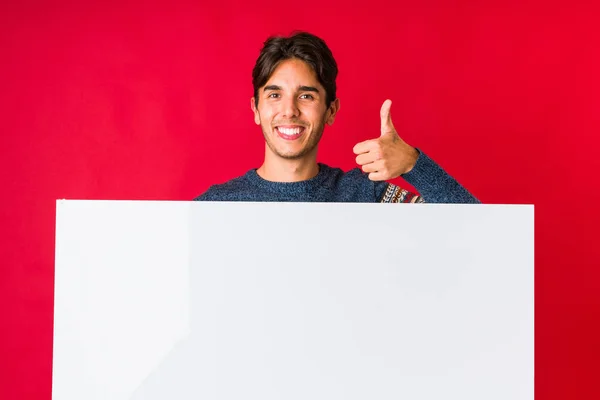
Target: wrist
{"type": "Point", "coordinates": [413, 156]}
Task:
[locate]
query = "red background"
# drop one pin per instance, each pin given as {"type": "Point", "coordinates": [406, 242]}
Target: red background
{"type": "Point", "coordinates": [152, 102]}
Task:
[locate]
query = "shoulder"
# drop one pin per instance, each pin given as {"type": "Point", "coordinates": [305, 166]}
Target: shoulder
{"type": "Point", "coordinates": [353, 177]}
{"type": "Point", "coordinates": [227, 191]}
{"type": "Point", "coordinates": [350, 186]}
{"type": "Point", "coordinates": [331, 175]}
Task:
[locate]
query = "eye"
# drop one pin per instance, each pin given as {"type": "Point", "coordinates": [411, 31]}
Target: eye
{"type": "Point", "coordinates": [307, 96]}
{"type": "Point", "coordinates": [273, 95]}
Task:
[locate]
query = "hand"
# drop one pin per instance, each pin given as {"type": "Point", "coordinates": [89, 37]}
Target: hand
{"type": "Point", "coordinates": [388, 156]}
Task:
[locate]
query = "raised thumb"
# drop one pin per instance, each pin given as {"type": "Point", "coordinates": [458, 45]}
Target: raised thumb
{"type": "Point", "coordinates": [386, 118]}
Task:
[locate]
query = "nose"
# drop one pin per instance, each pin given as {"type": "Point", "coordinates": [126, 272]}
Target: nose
{"type": "Point", "coordinates": [289, 108]}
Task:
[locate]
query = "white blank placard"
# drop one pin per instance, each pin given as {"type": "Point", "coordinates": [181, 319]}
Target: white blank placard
{"type": "Point", "coordinates": [295, 301]}
{"type": "Point", "coordinates": [121, 294]}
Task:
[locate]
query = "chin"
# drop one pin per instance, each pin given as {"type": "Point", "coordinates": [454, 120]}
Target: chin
{"type": "Point", "coordinates": [289, 155]}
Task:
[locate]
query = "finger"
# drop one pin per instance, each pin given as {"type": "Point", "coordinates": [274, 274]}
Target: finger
{"type": "Point", "coordinates": [372, 167]}
{"type": "Point", "coordinates": [386, 118]}
{"type": "Point", "coordinates": [363, 147]}
{"type": "Point", "coordinates": [366, 158]}
{"type": "Point", "coordinates": [376, 176]}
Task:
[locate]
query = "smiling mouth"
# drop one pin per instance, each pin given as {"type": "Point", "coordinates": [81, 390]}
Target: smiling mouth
{"type": "Point", "coordinates": [289, 133]}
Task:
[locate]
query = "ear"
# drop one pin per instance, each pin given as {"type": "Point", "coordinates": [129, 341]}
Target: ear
{"type": "Point", "coordinates": [255, 111]}
{"type": "Point", "coordinates": [332, 111]}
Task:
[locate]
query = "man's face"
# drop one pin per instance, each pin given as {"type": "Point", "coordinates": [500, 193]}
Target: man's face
{"type": "Point", "coordinates": [292, 110]}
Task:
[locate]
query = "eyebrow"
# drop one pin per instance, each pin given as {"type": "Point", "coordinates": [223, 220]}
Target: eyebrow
{"type": "Point", "coordinates": [308, 89]}
{"type": "Point", "coordinates": [301, 88]}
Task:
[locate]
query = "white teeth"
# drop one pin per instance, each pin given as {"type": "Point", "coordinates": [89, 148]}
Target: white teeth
{"type": "Point", "coordinates": [289, 131]}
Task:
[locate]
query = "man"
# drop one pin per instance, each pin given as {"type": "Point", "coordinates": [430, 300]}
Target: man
{"type": "Point", "coordinates": [294, 98]}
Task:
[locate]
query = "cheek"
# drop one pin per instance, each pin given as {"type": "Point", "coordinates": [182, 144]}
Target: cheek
{"type": "Point", "coordinates": [262, 116]}
{"type": "Point", "coordinates": [266, 114]}
{"type": "Point", "coordinates": [318, 118]}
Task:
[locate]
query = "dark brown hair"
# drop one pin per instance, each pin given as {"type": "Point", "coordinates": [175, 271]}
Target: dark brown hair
{"type": "Point", "coordinates": [303, 46]}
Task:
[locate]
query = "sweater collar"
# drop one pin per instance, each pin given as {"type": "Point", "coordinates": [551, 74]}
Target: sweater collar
{"type": "Point", "coordinates": [306, 185]}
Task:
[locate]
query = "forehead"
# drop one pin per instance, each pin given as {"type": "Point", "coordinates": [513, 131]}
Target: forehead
{"type": "Point", "coordinates": [293, 72]}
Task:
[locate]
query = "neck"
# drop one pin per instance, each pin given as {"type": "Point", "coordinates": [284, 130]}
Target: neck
{"type": "Point", "coordinates": [277, 169]}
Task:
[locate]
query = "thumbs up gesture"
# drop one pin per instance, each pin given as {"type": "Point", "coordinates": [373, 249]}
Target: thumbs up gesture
{"type": "Point", "coordinates": [388, 156]}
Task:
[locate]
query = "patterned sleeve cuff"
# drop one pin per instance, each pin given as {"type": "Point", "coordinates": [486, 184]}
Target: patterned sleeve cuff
{"type": "Point", "coordinates": [395, 194]}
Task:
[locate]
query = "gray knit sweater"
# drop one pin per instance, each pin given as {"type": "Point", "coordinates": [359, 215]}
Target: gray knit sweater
{"type": "Point", "coordinates": [334, 185]}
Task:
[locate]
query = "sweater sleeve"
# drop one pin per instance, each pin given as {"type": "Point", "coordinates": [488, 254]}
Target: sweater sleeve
{"type": "Point", "coordinates": [435, 185]}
